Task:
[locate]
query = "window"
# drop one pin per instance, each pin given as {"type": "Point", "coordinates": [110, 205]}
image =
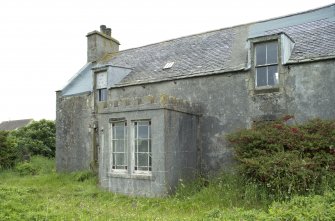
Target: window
{"type": "Point", "coordinates": [266, 64]}
{"type": "Point", "coordinates": [101, 86]}
{"type": "Point", "coordinates": [142, 146]}
{"type": "Point", "coordinates": [102, 94]}
{"type": "Point", "coordinates": [119, 146]}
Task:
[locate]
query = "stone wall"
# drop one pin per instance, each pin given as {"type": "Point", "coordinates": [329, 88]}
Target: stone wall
{"type": "Point", "coordinates": [222, 103]}
{"type": "Point", "coordinates": [74, 133]}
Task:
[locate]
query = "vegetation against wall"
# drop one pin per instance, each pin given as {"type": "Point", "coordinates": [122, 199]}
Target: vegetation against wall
{"type": "Point", "coordinates": [8, 150]}
{"type": "Point", "coordinates": [47, 195]}
{"type": "Point", "coordinates": [287, 159]}
{"type": "Point", "coordinates": [37, 138]}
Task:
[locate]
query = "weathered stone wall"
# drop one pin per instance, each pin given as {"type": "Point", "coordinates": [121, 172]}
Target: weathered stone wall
{"type": "Point", "coordinates": [74, 131]}
{"type": "Point", "coordinates": [312, 90]}
{"type": "Point", "coordinates": [224, 105]}
{"type": "Point", "coordinates": [181, 143]}
{"type": "Point", "coordinates": [229, 102]}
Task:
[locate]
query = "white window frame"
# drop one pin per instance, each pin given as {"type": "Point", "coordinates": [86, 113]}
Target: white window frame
{"type": "Point", "coordinates": [266, 65]}
{"type": "Point", "coordinates": [126, 149]}
{"type": "Point", "coordinates": [134, 140]}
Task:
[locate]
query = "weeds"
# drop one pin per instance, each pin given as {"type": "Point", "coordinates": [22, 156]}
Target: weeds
{"type": "Point", "coordinates": [75, 196]}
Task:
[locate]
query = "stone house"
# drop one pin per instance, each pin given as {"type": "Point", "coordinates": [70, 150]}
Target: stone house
{"type": "Point", "coordinates": [146, 117]}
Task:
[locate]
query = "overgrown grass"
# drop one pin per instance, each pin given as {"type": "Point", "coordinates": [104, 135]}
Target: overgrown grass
{"type": "Point", "coordinates": [47, 195]}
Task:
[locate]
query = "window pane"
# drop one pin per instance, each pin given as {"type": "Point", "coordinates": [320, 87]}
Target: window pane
{"type": "Point", "coordinates": [119, 159]}
{"type": "Point", "coordinates": [119, 152]}
{"type": "Point", "coordinates": [261, 76]}
{"type": "Point", "coordinates": [118, 145]}
{"type": "Point", "coordinates": [143, 123]}
{"type": "Point", "coordinates": [260, 54]}
{"type": "Point", "coordinates": [273, 75]}
{"type": "Point", "coordinates": [143, 132]}
{"type": "Point", "coordinates": [143, 159]}
{"type": "Point", "coordinates": [143, 146]}
{"type": "Point", "coordinates": [272, 54]}
{"type": "Point", "coordinates": [119, 124]}
{"type": "Point", "coordinates": [119, 133]}
{"type": "Point", "coordinates": [102, 94]}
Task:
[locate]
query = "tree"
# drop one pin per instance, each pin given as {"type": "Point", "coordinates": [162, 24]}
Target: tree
{"type": "Point", "coordinates": [38, 138]}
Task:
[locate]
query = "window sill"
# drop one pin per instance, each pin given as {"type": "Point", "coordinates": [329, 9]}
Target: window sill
{"type": "Point", "coordinates": [131, 176]}
{"type": "Point", "coordinates": [266, 89]}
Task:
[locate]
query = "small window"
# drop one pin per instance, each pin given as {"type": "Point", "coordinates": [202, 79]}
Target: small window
{"type": "Point", "coordinates": [102, 94]}
{"type": "Point", "coordinates": [101, 86]}
{"type": "Point", "coordinates": [266, 64]}
{"type": "Point", "coordinates": [142, 146]}
{"type": "Point", "coordinates": [119, 146]}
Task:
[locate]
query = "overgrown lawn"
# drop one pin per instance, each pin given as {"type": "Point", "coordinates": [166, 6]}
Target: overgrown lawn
{"type": "Point", "coordinates": [48, 195]}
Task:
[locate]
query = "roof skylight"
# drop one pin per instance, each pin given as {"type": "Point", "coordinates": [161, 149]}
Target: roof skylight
{"type": "Point", "coordinates": [168, 65]}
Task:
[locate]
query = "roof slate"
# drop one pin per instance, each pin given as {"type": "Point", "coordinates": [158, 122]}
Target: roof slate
{"type": "Point", "coordinates": [14, 124]}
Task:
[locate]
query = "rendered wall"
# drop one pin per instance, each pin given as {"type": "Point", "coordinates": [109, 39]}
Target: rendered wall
{"type": "Point", "coordinates": [229, 102]}
{"type": "Point", "coordinates": [181, 146]}
{"type": "Point", "coordinates": [73, 133]}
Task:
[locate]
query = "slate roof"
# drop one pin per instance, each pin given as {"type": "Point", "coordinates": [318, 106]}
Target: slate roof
{"type": "Point", "coordinates": [312, 40]}
{"type": "Point", "coordinates": [215, 52]}
{"type": "Point", "coordinates": [226, 49]}
{"type": "Point", "coordinates": [14, 124]}
{"type": "Point", "coordinates": [191, 55]}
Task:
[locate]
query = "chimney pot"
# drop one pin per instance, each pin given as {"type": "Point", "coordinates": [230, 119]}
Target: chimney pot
{"type": "Point", "coordinates": [108, 32]}
{"type": "Point", "coordinates": [103, 29]}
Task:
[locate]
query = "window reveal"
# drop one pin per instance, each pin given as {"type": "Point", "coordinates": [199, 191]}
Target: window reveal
{"type": "Point", "coordinates": [142, 146]}
{"type": "Point", "coordinates": [119, 146]}
{"type": "Point", "coordinates": [266, 64]}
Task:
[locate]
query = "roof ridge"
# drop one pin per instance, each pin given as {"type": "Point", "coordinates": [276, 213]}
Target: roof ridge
{"type": "Point", "coordinates": [230, 27]}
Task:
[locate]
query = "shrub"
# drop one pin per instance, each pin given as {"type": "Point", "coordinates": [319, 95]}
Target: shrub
{"type": "Point", "coordinates": [287, 159]}
{"type": "Point", "coordinates": [36, 165]}
{"type": "Point", "coordinates": [38, 138]}
{"type": "Point", "coordinates": [25, 168]}
{"type": "Point", "coordinates": [8, 151]}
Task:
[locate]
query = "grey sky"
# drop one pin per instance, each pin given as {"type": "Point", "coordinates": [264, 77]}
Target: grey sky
{"type": "Point", "coordinates": [43, 43]}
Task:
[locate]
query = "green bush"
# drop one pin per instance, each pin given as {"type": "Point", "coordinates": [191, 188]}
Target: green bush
{"type": "Point", "coordinates": [287, 159]}
{"type": "Point", "coordinates": [35, 166]}
{"type": "Point", "coordinates": [38, 138]}
{"type": "Point", "coordinates": [26, 168]}
{"type": "Point", "coordinates": [8, 150]}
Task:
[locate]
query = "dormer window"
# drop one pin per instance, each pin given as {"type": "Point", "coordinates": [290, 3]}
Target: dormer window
{"type": "Point", "coordinates": [101, 86]}
{"type": "Point", "coordinates": [266, 64]}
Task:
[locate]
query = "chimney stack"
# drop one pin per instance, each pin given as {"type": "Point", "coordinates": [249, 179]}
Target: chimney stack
{"type": "Point", "coordinates": [100, 43]}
